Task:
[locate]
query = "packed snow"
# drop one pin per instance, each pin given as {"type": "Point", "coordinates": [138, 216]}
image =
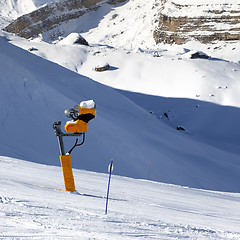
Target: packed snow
{"type": "Point", "coordinates": [34, 207]}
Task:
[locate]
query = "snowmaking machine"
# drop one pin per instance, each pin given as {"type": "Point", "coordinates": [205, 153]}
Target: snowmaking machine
{"type": "Point", "coordinates": [78, 126]}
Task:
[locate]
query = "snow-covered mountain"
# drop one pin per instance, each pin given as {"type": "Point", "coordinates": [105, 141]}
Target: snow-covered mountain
{"type": "Point", "coordinates": [168, 21]}
{"type": "Point", "coordinates": [161, 115]}
{"type": "Point", "coordinates": [53, 15]}
{"type": "Point", "coordinates": [10, 10]}
{"type": "Point", "coordinates": [202, 20]}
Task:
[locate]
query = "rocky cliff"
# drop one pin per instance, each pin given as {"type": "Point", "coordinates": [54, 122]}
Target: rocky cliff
{"type": "Point", "coordinates": [177, 22]}
{"type": "Point", "coordinates": [52, 15]}
{"type": "Point", "coordinates": [203, 20]}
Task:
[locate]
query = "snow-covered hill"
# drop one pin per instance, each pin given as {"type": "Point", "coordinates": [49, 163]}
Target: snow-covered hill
{"type": "Point", "coordinates": [160, 115]}
{"type": "Point", "coordinates": [32, 208]}
{"type": "Point", "coordinates": [37, 92]}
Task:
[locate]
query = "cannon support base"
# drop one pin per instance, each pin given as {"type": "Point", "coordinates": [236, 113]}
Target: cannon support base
{"type": "Point", "coordinates": [67, 173]}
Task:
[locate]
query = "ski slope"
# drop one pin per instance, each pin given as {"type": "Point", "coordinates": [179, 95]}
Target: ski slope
{"type": "Point", "coordinates": [38, 91]}
{"type": "Point", "coordinates": [33, 208]}
{"type": "Point", "coordinates": [134, 126]}
{"type": "Point", "coordinates": [167, 184]}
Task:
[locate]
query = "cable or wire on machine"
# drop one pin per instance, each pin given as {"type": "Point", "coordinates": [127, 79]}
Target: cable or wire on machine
{"type": "Point", "coordinates": [76, 143]}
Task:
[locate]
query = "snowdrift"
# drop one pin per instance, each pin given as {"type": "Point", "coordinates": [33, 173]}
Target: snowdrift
{"type": "Point", "coordinates": [35, 93]}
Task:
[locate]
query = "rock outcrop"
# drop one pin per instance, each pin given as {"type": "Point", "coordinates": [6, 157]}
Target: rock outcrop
{"type": "Point", "coordinates": [205, 21]}
{"type": "Point", "coordinates": [178, 21]}
{"type": "Point", "coordinates": [51, 15]}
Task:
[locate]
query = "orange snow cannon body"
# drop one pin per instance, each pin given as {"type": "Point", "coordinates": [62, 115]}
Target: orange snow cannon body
{"type": "Point", "coordinates": [67, 173]}
{"type": "Point", "coordinates": [76, 126]}
{"type": "Point", "coordinates": [81, 115]}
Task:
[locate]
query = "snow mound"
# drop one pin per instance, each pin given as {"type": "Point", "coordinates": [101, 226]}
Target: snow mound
{"type": "Point", "coordinates": [73, 38]}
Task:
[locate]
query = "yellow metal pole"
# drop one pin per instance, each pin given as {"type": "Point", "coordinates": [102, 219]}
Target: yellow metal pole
{"type": "Point", "coordinates": [67, 172]}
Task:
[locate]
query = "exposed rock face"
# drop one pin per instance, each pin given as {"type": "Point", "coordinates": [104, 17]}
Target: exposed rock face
{"type": "Point", "coordinates": [199, 55]}
{"type": "Point", "coordinates": [178, 22]}
{"type": "Point", "coordinates": [52, 15]}
{"type": "Point", "coordinates": [73, 38]}
{"type": "Point", "coordinates": [206, 21]}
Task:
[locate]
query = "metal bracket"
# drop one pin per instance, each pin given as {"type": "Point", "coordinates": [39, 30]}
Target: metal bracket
{"type": "Point", "coordinates": [60, 134]}
{"type": "Point", "coordinates": [58, 131]}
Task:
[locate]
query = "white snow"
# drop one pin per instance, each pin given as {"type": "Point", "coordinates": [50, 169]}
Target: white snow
{"type": "Point", "coordinates": [195, 8]}
{"type": "Point", "coordinates": [127, 25]}
{"type": "Point", "coordinates": [124, 128]}
{"type": "Point", "coordinates": [148, 92]}
{"type": "Point", "coordinates": [34, 207]}
{"type": "Point", "coordinates": [70, 39]}
{"type": "Point", "coordinates": [87, 104]}
{"type": "Point", "coordinates": [10, 10]}
{"type": "Point", "coordinates": [71, 122]}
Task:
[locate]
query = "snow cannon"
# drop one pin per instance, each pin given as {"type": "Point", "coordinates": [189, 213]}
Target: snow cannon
{"type": "Point", "coordinates": [81, 114]}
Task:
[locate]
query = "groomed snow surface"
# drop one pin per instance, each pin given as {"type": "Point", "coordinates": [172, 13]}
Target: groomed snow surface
{"type": "Point", "coordinates": [34, 207]}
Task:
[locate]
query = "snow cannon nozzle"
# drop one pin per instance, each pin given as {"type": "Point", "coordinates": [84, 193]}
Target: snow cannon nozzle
{"type": "Point", "coordinates": [72, 113]}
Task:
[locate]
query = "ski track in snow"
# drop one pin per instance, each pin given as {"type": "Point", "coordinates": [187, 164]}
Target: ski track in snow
{"type": "Point", "coordinates": [30, 209]}
{"type": "Point", "coordinates": [34, 220]}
